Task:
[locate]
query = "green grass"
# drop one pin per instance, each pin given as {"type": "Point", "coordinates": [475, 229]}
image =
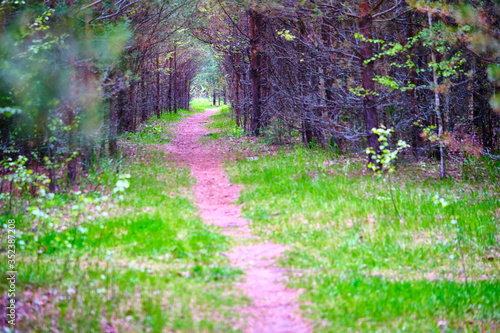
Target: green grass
{"type": "Point", "coordinates": [222, 120]}
{"type": "Point", "coordinates": [221, 124]}
{"type": "Point", "coordinates": [145, 263]}
{"type": "Point", "coordinates": [363, 268]}
{"type": "Point", "coordinates": [201, 104]}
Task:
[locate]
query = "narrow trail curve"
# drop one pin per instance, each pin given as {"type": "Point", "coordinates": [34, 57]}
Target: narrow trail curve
{"type": "Point", "coordinates": [274, 307]}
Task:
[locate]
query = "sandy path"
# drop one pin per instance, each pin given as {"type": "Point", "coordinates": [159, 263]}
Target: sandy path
{"type": "Point", "coordinates": [274, 307]}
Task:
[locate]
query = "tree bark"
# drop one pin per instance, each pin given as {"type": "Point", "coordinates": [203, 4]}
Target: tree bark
{"type": "Point", "coordinates": [170, 84]}
{"type": "Point", "coordinates": [174, 97]}
{"type": "Point", "coordinates": [368, 73]}
{"type": "Point", "coordinates": [215, 96]}
{"type": "Point", "coordinates": [144, 98]}
{"type": "Point", "coordinates": [236, 106]}
{"type": "Point", "coordinates": [255, 64]}
{"type": "Point", "coordinates": [71, 146]}
{"type": "Point", "coordinates": [112, 144]}
{"type": "Point", "coordinates": [437, 104]}
{"type": "Point", "coordinates": [158, 95]}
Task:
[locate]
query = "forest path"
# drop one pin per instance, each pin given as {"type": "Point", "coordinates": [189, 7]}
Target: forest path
{"type": "Point", "coordinates": [274, 307]}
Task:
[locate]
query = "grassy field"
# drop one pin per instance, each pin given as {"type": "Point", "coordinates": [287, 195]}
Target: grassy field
{"type": "Point", "coordinates": [407, 253]}
{"type": "Point", "coordinates": [129, 255]}
{"type": "Point", "coordinates": [365, 268]}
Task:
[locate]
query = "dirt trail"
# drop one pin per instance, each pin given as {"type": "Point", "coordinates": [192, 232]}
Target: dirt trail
{"type": "Point", "coordinates": [274, 307]}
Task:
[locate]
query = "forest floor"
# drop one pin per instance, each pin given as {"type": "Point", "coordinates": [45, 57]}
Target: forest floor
{"type": "Point", "coordinates": [274, 308]}
{"type": "Point", "coordinates": [199, 228]}
{"type": "Point", "coordinates": [399, 253]}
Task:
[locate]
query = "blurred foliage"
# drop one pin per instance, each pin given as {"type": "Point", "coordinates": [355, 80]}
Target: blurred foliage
{"type": "Point", "coordinates": [53, 63]}
{"type": "Point", "coordinates": [473, 25]}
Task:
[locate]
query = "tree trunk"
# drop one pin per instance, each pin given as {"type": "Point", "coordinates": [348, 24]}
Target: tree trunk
{"type": "Point", "coordinates": [134, 101]}
{"type": "Point", "coordinates": [188, 92]}
{"type": "Point", "coordinates": [255, 62]}
{"type": "Point", "coordinates": [71, 146]}
{"type": "Point", "coordinates": [215, 96]}
{"type": "Point", "coordinates": [50, 154]}
{"type": "Point", "coordinates": [113, 147]}
{"type": "Point", "coordinates": [437, 104]}
{"type": "Point", "coordinates": [236, 106]}
{"type": "Point", "coordinates": [170, 85]}
{"type": "Point", "coordinates": [470, 89]}
{"type": "Point", "coordinates": [144, 98]}
{"type": "Point", "coordinates": [175, 80]}
{"type": "Point", "coordinates": [158, 95]}
{"type": "Point", "coordinates": [368, 73]}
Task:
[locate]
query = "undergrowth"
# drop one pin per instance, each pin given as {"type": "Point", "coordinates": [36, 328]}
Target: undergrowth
{"type": "Point", "coordinates": [154, 129]}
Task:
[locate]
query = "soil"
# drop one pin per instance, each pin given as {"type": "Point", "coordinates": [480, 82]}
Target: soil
{"type": "Point", "coordinates": [274, 307]}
